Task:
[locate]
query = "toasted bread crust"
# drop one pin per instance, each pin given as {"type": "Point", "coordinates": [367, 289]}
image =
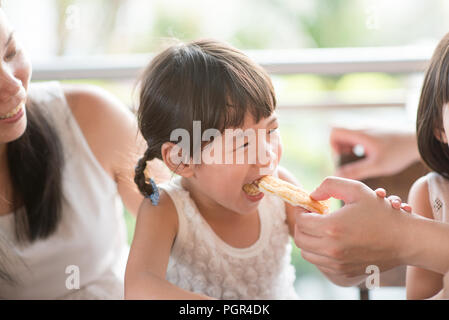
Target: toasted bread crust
{"type": "Point", "coordinates": [292, 194]}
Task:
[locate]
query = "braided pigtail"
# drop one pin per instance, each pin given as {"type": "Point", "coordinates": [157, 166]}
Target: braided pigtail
{"type": "Point", "coordinates": [144, 182]}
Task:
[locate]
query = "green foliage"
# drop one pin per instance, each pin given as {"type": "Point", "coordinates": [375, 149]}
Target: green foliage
{"type": "Point", "coordinates": [249, 37]}
{"type": "Point", "coordinates": [367, 82]}
{"type": "Point", "coordinates": [328, 23]}
{"type": "Point", "coordinates": [130, 225]}
{"type": "Point", "coordinates": [183, 25]}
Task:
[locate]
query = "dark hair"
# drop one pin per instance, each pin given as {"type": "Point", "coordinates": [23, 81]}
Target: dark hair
{"type": "Point", "coordinates": [205, 81]}
{"type": "Point", "coordinates": [35, 163]}
{"type": "Point", "coordinates": [429, 124]}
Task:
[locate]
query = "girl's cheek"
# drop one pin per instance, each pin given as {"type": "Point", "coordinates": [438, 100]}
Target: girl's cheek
{"type": "Point", "coordinates": [276, 145]}
{"type": "Point", "coordinates": [280, 149]}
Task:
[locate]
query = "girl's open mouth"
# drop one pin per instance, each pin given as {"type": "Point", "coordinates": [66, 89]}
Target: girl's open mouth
{"type": "Point", "coordinates": [252, 191]}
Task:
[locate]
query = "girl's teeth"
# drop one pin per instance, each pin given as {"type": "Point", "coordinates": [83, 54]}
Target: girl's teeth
{"type": "Point", "coordinates": [12, 113]}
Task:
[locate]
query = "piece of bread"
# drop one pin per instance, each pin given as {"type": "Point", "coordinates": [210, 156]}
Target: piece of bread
{"type": "Point", "coordinates": [251, 189]}
{"type": "Point", "coordinates": [291, 194]}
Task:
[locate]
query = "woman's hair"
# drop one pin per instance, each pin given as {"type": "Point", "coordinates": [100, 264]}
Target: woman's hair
{"type": "Point", "coordinates": [35, 163]}
{"type": "Point", "coordinates": [434, 96]}
{"type": "Point", "coordinates": [205, 81]}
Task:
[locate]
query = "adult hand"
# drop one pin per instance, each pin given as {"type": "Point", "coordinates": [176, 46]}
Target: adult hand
{"type": "Point", "coordinates": [366, 231]}
{"type": "Point", "coordinates": [386, 152]}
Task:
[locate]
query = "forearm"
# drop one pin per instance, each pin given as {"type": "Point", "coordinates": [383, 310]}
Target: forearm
{"type": "Point", "coordinates": [425, 244]}
{"type": "Point", "coordinates": [150, 287]}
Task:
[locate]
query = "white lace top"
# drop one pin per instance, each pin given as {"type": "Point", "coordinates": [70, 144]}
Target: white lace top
{"type": "Point", "coordinates": [438, 187]}
{"type": "Point", "coordinates": [201, 262]}
{"type": "Point", "coordinates": [91, 236]}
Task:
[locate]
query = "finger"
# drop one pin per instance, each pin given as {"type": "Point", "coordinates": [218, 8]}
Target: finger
{"type": "Point", "coordinates": [395, 201]}
{"type": "Point", "coordinates": [406, 207]}
{"type": "Point", "coordinates": [380, 192]}
{"type": "Point", "coordinates": [308, 242]}
{"type": "Point", "coordinates": [340, 188]}
{"type": "Point", "coordinates": [325, 264]}
{"type": "Point", "coordinates": [310, 223]}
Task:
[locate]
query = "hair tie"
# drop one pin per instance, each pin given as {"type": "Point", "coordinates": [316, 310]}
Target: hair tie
{"type": "Point", "coordinates": [154, 196]}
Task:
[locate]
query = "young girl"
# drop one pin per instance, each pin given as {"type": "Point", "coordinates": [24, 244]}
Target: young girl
{"type": "Point", "coordinates": [429, 196]}
{"type": "Point", "coordinates": [201, 236]}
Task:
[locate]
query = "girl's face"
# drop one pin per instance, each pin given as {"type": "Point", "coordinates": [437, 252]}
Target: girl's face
{"type": "Point", "coordinates": [445, 134]}
{"type": "Point", "coordinates": [15, 74]}
{"type": "Point", "coordinates": [246, 156]}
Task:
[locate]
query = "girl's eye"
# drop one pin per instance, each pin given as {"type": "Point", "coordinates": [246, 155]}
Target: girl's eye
{"type": "Point", "coordinates": [242, 146]}
{"type": "Point", "coordinates": [11, 55]}
{"type": "Point", "coordinates": [273, 130]}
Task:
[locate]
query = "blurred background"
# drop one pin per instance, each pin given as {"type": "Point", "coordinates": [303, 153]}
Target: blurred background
{"type": "Point", "coordinates": [333, 62]}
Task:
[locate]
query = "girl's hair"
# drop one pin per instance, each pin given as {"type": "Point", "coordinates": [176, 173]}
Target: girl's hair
{"type": "Point", "coordinates": [205, 81]}
{"type": "Point", "coordinates": [434, 96]}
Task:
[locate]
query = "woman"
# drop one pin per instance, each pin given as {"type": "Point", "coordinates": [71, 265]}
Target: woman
{"type": "Point", "coordinates": [67, 158]}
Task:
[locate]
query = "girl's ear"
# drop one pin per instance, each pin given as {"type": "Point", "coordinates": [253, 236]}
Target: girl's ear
{"type": "Point", "coordinates": [175, 160]}
{"type": "Point", "coordinates": [440, 135]}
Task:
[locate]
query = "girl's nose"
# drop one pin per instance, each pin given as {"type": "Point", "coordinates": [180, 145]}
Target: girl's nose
{"type": "Point", "coordinates": [9, 85]}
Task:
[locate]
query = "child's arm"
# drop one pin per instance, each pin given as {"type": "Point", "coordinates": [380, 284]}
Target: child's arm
{"type": "Point", "coordinates": [156, 229]}
{"type": "Point", "coordinates": [422, 283]}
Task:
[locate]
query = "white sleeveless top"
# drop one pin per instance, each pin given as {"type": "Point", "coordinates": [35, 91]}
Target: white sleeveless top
{"type": "Point", "coordinates": [90, 240]}
{"type": "Point", "coordinates": [438, 187]}
{"type": "Point", "coordinates": [201, 262]}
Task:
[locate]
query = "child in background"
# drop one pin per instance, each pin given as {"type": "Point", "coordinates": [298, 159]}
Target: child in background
{"type": "Point", "coordinates": [201, 236]}
{"type": "Point", "coordinates": [429, 196]}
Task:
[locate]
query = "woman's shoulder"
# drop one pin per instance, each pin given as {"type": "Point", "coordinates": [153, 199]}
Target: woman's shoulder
{"type": "Point", "coordinates": [108, 126]}
{"type": "Point", "coordinates": [82, 97]}
{"type": "Point", "coordinates": [96, 108]}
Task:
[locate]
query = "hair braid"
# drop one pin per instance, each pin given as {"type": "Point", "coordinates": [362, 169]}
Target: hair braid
{"type": "Point", "coordinates": [140, 179]}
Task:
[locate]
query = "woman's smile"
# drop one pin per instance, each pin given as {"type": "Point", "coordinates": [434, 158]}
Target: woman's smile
{"type": "Point", "coordinates": [13, 115]}
{"type": "Point", "coordinates": [13, 112]}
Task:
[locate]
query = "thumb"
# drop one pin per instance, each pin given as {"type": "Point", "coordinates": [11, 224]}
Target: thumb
{"type": "Point", "coordinates": [339, 188]}
{"type": "Point", "coordinates": [360, 169]}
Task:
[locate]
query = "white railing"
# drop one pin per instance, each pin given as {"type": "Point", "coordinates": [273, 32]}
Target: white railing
{"type": "Point", "coordinates": [315, 61]}
{"type": "Point", "coordinates": [407, 60]}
